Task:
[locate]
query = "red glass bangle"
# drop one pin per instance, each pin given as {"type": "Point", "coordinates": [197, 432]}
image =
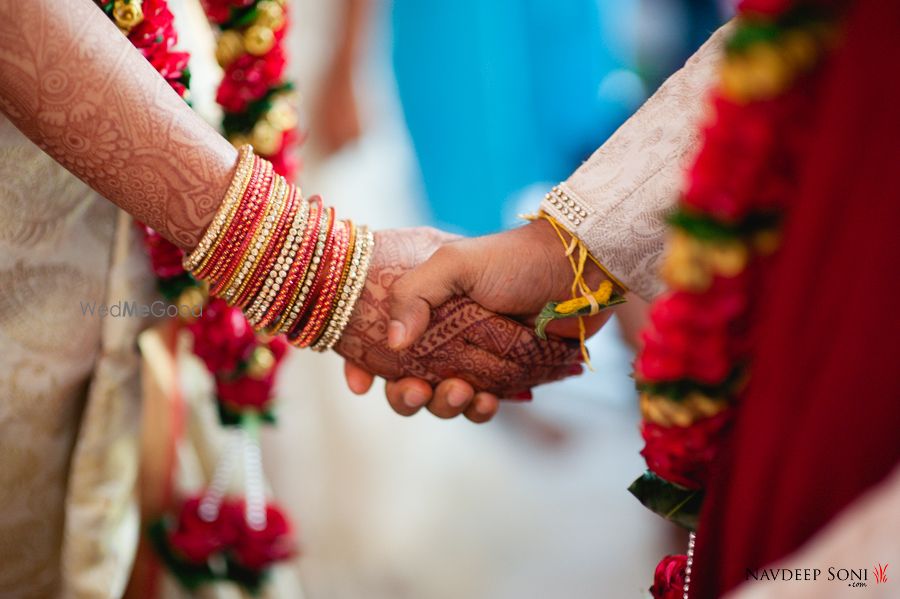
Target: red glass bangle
{"type": "Point", "coordinates": [278, 313]}
{"type": "Point", "coordinates": [343, 267]}
{"type": "Point", "coordinates": [245, 235]}
{"type": "Point", "coordinates": [237, 231]}
{"type": "Point", "coordinates": [212, 262]}
{"type": "Point", "coordinates": [322, 307]}
{"type": "Point", "coordinates": [319, 282]}
{"type": "Point", "coordinates": [264, 266]}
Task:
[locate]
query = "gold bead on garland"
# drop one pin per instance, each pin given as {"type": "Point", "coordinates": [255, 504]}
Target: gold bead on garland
{"type": "Point", "coordinates": [127, 14]}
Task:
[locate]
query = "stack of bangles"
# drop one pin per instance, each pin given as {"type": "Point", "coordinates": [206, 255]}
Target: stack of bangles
{"type": "Point", "coordinates": [285, 261]}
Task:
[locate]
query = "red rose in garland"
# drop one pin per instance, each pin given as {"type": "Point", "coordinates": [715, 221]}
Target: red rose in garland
{"type": "Point", "coordinates": [769, 8]}
{"type": "Point", "coordinates": [683, 454]}
{"type": "Point", "coordinates": [253, 388]}
{"type": "Point", "coordinates": [165, 257]}
{"type": "Point", "coordinates": [219, 11]}
{"type": "Point", "coordinates": [222, 337]}
{"type": "Point", "coordinates": [245, 392]}
{"type": "Point", "coordinates": [249, 78]}
{"type": "Point", "coordinates": [172, 66]}
{"type": "Point", "coordinates": [195, 540]}
{"type": "Point", "coordinates": [284, 161]}
{"type": "Point", "coordinates": [668, 580]}
{"type": "Point", "coordinates": [156, 32]}
{"type": "Point", "coordinates": [258, 549]}
{"type": "Point", "coordinates": [691, 335]}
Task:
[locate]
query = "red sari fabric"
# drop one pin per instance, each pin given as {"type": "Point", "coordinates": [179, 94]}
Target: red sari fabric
{"type": "Point", "coordinates": [820, 421]}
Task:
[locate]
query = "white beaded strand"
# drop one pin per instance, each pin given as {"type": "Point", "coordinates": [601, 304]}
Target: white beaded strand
{"type": "Point", "coordinates": [692, 539]}
{"type": "Point", "coordinates": [211, 502]}
{"type": "Point", "coordinates": [255, 508]}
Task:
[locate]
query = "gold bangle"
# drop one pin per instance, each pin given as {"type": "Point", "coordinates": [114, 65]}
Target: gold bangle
{"type": "Point", "coordinates": [262, 236]}
{"type": "Point", "coordinates": [356, 280]}
{"type": "Point", "coordinates": [292, 311]}
{"type": "Point", "coordinates": [260, 304]}
{"type": "Point", "coordinates": [225, 213]}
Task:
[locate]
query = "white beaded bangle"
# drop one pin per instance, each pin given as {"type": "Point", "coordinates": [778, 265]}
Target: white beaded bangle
{"type": "Point", "coordinates": [286, 256]}
{"type": "Point", "coordinates": [267, 228]}
{"type": "Point", "coordinates": [356, 280]}
{"type": "Point", "coordinates": [310, 277]}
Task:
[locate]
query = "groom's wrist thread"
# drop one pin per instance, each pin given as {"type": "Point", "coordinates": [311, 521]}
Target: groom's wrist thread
{"type": "Point", "coordinates": [573, 243]}
{"type": "Point", "coordinates": [287, 262]}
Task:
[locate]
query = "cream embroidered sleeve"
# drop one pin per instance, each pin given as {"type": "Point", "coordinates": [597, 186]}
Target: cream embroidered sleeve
{"type": "Point", "coordinates": [617, 201]}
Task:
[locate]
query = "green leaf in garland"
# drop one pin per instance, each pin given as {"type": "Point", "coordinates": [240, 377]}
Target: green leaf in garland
{"type": "Point", "coordinates": [243, 122]}
{"type": "Point", "coordinates": [251, 580]}
{"type": "Point", "coordinates": [229, 417]}
{"type": "Point", "coordinates": [673, 502]}
{"type": "Point", "coordinates": [191, 576]}
{"type": "Point", "coordinates": [705, 227]}
{"type": "Point", "coordinates": [682, 388]}
{"type": "Point", "coordinates": [752, 31]}
{"type": "Point", "coordinates": [241, 18]}
{"type": "Point", "coordinates": [172, 287]}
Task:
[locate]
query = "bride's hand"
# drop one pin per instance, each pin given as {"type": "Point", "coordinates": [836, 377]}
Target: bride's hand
{"type": "Point", "coordinates": [472, 355]}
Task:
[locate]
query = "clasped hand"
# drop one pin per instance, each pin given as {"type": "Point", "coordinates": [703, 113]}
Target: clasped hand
{"type": "Point", "coordinates": [429, 320]}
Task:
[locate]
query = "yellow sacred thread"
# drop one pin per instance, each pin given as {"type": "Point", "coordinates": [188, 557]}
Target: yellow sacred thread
{"type": "Point", "coordinates": [582, 295]}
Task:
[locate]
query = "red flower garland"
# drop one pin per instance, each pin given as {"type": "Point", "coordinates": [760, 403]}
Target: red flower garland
{"type": "Point", "coordinates": [253, 92]}
{"type": "Point", "coordinates": [197, 540]}
{"type": "Point", "coordinates": [695, 357]}
{"type": "Point", "coordinates": [668, 580]}
{"type": "Point", "coordinates": [243, 365]}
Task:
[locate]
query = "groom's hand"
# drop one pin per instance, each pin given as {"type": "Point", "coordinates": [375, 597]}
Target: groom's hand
{"type": "Point", "coordinates": [515, 272]}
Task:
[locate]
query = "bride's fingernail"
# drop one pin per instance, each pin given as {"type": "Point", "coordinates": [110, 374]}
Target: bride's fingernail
{"type": "Point", "coordinates": [414, 399]}
{"type": "Point", "coordinates": [523, 396]}
{"type": "Point", "coordinates": [396, 334]}
{"type": "Point", "coordinates": [457, 397]}
{"type": "Point", "coordinates": [484, 407]}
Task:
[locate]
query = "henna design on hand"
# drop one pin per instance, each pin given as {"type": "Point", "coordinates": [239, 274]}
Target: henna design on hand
{"type": "Point", "coordinates": [74, 85]}
{"type": "Point", "coordinates": [464, 340]}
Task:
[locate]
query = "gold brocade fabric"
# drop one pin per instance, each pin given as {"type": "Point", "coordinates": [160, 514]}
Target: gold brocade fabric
{"type": "Point", "coordinates": [69, 395]}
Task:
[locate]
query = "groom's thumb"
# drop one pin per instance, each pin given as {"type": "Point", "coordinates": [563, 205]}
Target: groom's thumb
{"type": "Point", "coordinates": [418, 291]}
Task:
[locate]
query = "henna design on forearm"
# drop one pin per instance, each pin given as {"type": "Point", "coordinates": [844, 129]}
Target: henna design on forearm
{"type": "Point", "coordinates": [464, 340]}
{"type": "Point", "coordinates": [73, 84]}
